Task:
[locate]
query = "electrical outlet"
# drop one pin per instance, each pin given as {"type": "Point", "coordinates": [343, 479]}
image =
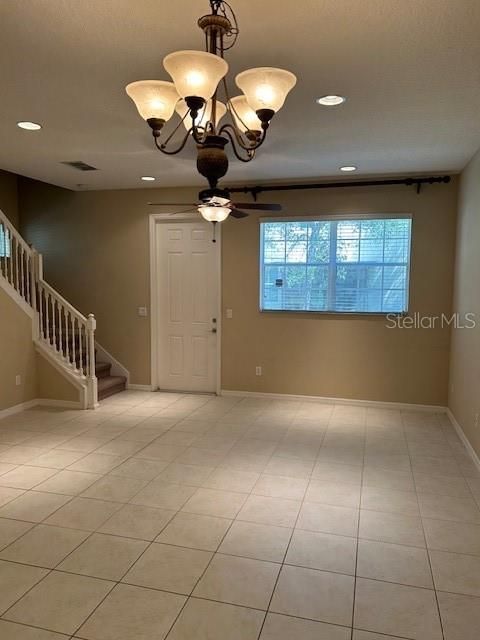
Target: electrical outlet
{"type": "Point", "coordinates": [18, 380]}
{"type": "Point", "coordinates": [258, 371]}
{"type": "Point", "coordinates": [229, 313]}
{"type": "Point", "coordinates": [142, 312]}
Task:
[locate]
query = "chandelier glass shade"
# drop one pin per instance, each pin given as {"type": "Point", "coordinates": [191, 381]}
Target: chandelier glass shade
{"type": "Point", "coordinates": [266, 87]}
{"type": "Point", "coordinates": [195, 73]}
{"type": "Point", "coordinates": [153, 98]}
{"type": "Point", "coordinates": [198, 79]}
{"type": "Point", "coordinates": [244, 116]}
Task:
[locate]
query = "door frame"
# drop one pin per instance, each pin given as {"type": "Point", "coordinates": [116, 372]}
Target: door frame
{"type": "Point", "coordinates": [161, 218]}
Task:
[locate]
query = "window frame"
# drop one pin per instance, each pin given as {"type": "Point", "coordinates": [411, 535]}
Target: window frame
{"type": "Point", "coordinates": [336, 218]}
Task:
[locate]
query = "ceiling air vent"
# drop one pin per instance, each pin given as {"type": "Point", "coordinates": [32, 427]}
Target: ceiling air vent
{"type": "Point", "coordinates": [81, 166]}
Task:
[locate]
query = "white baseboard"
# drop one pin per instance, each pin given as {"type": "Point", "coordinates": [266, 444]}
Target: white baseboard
{"type": "Point", "coordinates": [17, 408]}
{"type": "Point", "coordinates": [65, 404]}
{"type": "Point", "coordinates": [39, 402]}
{"type": "Point", "coordinates": [140, 387]}
{"type": "Point", "coordinates": [345, 401]}
{"type": "Point", "coordinates": [463, 438]}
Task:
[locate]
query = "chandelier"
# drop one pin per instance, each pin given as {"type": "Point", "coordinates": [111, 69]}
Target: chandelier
{"type": "Point", "coordinates": [198, 79]}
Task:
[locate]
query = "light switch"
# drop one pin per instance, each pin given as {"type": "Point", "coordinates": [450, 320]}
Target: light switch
{"type": "Point", "coordinates": [142, 312]}
{"type": "Point", "coordinates": [229, 313]}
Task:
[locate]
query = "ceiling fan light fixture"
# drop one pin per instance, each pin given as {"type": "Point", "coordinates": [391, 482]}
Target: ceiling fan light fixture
{"type": "Point", "coordinates": [265, 87]}
{"type": "Point", "coordinates": [213, 213]}
{"type": "Point", "coordinates": [195, 73]}
{"type": "Point", "coordinates": [204, 114]}
{"type": "Point", "coordinates": [153, 98]}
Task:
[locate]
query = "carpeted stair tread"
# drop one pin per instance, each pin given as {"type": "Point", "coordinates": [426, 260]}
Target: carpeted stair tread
{"type": "Point", "coordinates": [102, 369]}
{"type": "Point", "coordinates": [109, 385]}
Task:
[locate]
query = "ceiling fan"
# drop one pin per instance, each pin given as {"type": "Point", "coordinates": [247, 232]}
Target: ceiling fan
{"type": "Point", "coordinates": [215, 206]}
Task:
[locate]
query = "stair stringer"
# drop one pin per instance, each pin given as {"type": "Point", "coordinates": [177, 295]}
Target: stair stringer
{"type": "Point", "coordinates": [79, 382]}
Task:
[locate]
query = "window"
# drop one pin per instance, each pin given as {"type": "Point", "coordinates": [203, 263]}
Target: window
{"type": "Point", "coordinates": [4, 242]}
{"type": "Point", "coordinates": [355, 265]}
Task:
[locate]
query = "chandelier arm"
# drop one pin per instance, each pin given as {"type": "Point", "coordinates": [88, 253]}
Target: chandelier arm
{"type": "Point", "coordinates": [231, 110]}
{"type": "Point", "coordinates": [170, 136]}
{"type": "Point", "coordinates": [250, 152]}
{"type": "Point", "coordinates": [233, 131]}
{"type": "Point", "coordinates": [162, 146]}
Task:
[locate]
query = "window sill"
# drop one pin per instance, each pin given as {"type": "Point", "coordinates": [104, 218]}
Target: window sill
{"type": "Point", "coordinates": [344, 314]}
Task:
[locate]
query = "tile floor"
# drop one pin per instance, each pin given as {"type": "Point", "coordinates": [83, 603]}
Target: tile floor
{"type": "Point", "coordinates": [198, 518]}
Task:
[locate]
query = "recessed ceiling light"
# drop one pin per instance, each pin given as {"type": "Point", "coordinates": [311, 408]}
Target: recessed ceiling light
{"type": "Point", "coordinates": [30, 126]}
{"type": "Point", "coordinates": [348, 168]}
{"type": "Point", "coordinates": [331, 101]}
{"type": "Point", "coordinates": [148, 178]}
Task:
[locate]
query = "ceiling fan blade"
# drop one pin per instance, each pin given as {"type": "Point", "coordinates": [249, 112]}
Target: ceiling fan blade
{"type": "Point", "coordinates": [259, 206]}
{"type": "Point", "coordinates": [171, 204]}
{"type": "Point", "coordinates": [238, 213]}
{"type": "Point", "coordinates": [176, 213]}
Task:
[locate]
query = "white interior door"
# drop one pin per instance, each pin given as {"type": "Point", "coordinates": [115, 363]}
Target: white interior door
{"type": "Point", "coordinates": [187, 305]}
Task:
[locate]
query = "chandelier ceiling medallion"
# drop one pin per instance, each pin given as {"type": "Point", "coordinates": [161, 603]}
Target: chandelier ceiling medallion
{"type": "Point", "coordinates": [198, 78]}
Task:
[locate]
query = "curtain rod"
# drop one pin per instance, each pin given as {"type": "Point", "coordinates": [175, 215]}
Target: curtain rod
{"type": "Point", "coordinates": [418, 182]}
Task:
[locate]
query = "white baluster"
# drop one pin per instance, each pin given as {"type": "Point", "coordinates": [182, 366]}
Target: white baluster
{"type": "Point", "coordinates": [60, 330]}
{"type": "Point", "coordinates": [47, 318]}
{"type": "Point", "coordinates": [40, 309]}
{"type": "Point", "coordinates": [67, 337]}
{"type": "Point", "coordinates": [92, 384]}
{"type": "Point", "coordinates": [54, 329]}
{"type": "Point", "coordinates": [26, 268]}
{"type": "Point", "coordinates": [17, 279]}
{"type": "Point", "coordinates": [33, 280]}
{"type": "Point", "coordinates": [74, 355]}
{"type": "Point", "coordinates": [22, 275]}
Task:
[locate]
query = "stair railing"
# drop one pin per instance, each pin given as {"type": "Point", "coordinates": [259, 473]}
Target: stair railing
{"type": "Point", "coordinates": [64, 331]}
{"type": "Point", "coordinates": [15, 260]}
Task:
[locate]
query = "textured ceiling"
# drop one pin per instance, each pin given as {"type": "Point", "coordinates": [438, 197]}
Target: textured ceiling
{"type": "Point", "coordinates": [410, 70]}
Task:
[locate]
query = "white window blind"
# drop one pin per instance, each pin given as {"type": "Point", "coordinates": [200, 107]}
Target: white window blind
{"type": "Point", "coordinates": [357, 265]}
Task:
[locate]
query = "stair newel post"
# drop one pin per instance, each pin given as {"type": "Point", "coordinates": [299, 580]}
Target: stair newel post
{"type": "Point", "coordinates": [92, 386]}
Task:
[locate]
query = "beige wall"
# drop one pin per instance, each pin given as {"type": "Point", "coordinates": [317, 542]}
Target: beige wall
{"type": "Point", "coordinates": [51, 385]}
{"type": "Point", "coordinates": [464, 397]}
{"type": "Point", "coordinates": [333, 355]}
{"type": "Point", "coordinates": [96, 249]}
{"type": "Point", "coordinates": [16, 348]}
{"type": "Point", "coordinates": [17, 354]}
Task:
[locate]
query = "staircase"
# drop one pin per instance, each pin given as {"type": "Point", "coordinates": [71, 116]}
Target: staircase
{"type": "Point", "coordinates": [107, 384]}
{"type": "Point", "coordinates": [60, 332]}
